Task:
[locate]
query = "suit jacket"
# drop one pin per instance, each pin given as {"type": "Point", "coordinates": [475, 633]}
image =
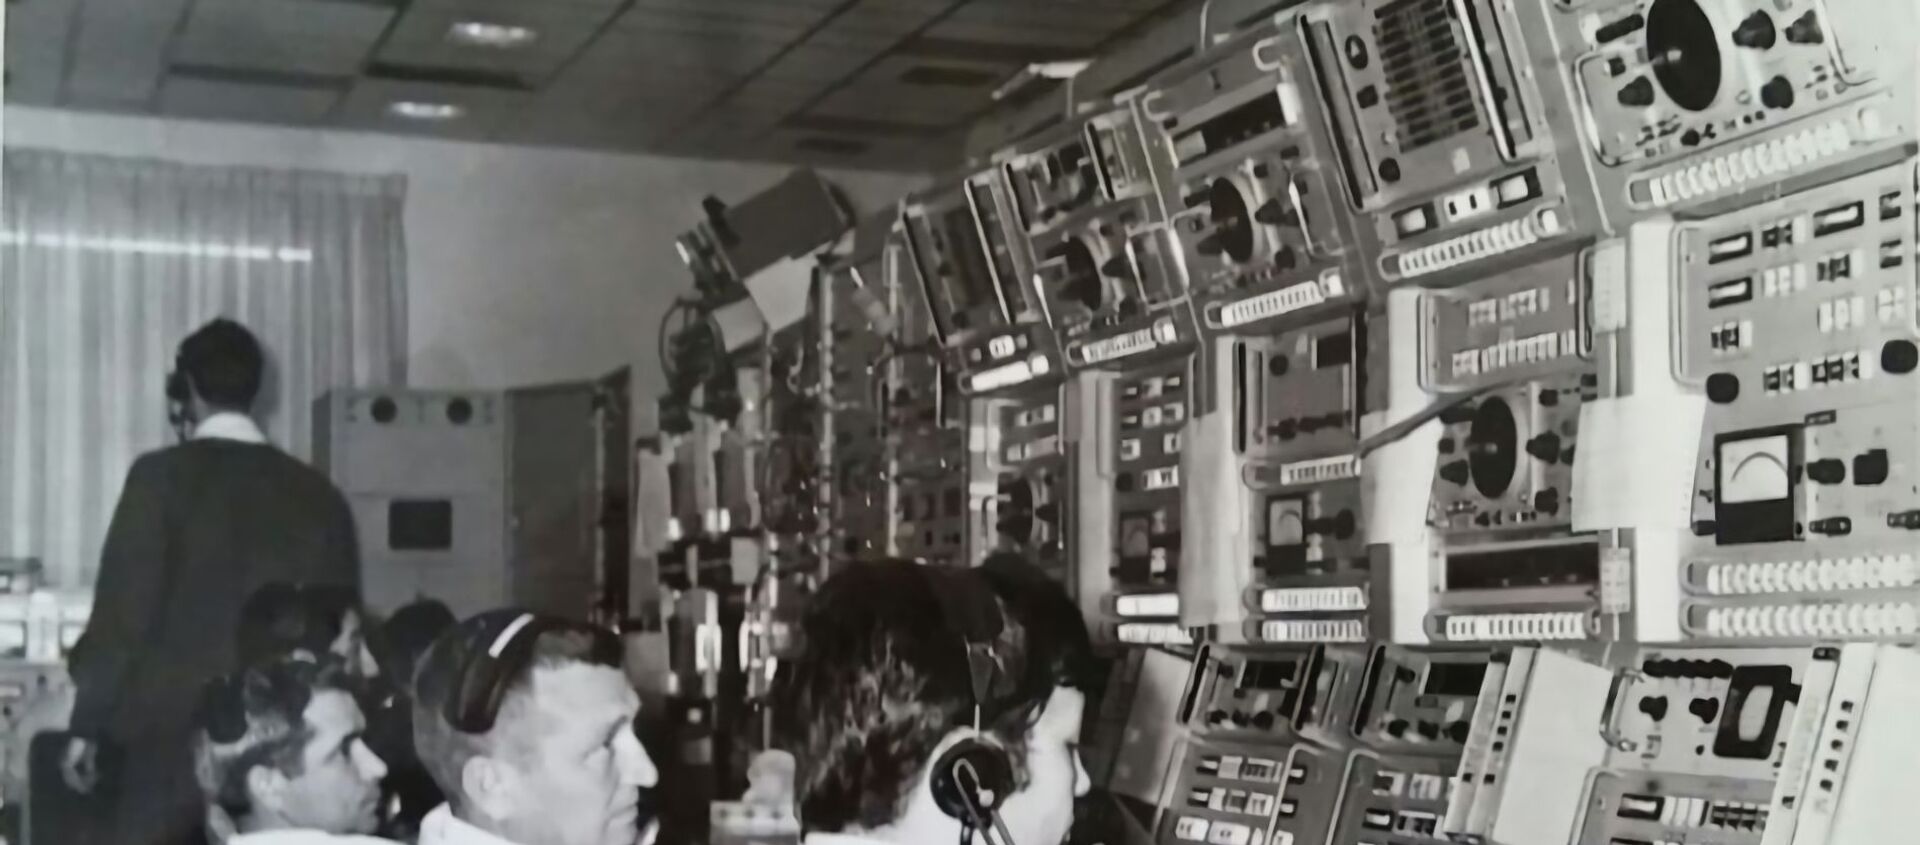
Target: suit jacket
{"type": "Point", "coordinates": [199, 527]}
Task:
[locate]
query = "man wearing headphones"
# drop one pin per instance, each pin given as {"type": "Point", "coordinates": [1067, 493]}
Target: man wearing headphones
{"type": "Point", "coordinates": [526, 722]}
{"type": "Point", "coordinates": [199, 527]}
{"type": "Point", "coordinates": [279, 756]}
{"type": "Point", "coordinates": [930, 705]}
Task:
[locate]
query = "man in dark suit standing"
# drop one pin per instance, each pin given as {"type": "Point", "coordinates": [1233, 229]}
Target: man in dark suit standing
{"type": "Point", "coordinates": [199, 527]}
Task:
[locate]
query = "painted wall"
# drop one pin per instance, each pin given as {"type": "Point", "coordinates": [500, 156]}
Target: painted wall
{"type": "Point", "coordinates": [524, 265]}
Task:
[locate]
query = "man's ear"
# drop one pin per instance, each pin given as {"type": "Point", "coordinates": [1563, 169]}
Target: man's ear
{"type": "Point", "coordinates": [489, 785]}
{"type": "Point", "coordinates": [266, 789]}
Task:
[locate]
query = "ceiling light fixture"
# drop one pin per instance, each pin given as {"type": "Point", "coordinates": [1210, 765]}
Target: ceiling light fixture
{"type": "Point", "coordinates": [483, 34]}
{"type": "Point", "coordinates": [426, 111]}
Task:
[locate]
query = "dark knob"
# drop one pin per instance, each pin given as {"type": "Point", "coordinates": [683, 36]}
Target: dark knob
{"type": "Point", "coordinates": [1215, 717]}
{"type": "Point", "coordinates": [1833, 526]}
{"type": "Point", "coordinates": [1195, 200]}
{"type": "Point", "coordinates": [1756, 32]}
{"type": "Point", "coordinates": [1263, 720]}
{"type": "Point", "coordinates": [1115, 267]}
{"type": "Point", "coordinates": [1274, 213]}
{"type": "Point", "coordinates": [1547, 501]}
{"type": "Point", "coordinates": [1899, 357]}
{"type": "Point", "coordinates": [1429, 731]}
{"type": "Point", "coordinates": [1828, 470]}
{"type": "Point", "coordinates": [1456, 472]}
{"type": "Point", "coordinates": [1344, 525]}
{"type": "Point", "coordinates": [1706, 709]}
{"type": "Point", "coordinates": [1458, 732]}
{"type": "Point", "coordinates": [1870, 467]}
{"type": "Point", "coordinates": [1285, 258]}
{"type": "Point", "coordinates": [1805, 30]}
{"type": "Point", "coordinates": [1461, 413]}
{"type": "Point", "coordinates": [1723, 388]}
{"type": "Point", "coordinates": [1397, 728]}
{"type": "Point", "coordinates": [1655, 706]}
{"type": "Point", "coordinates": [1777, 93]}
{"type": "Point", "coordinates": [1549, 398]}
{"type": "Point", "coordinates": [1637, 94]}
{"type": "Point", "coordinates": [1546, 447]}
{"type": "Point", "coordinates": [1277, 365]}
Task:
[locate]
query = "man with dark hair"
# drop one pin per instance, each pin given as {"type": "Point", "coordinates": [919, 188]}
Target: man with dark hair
{"type": "Point", "coordinates": [889, 679]}
{"type": "Point", "coordinates": [278, 756]}
{"type": "Point", "coordinates": [397, 645]}
{"type": "Point", "coordinates": [527, 724]}
{"type": "Point", "coordinates": [200, 526]}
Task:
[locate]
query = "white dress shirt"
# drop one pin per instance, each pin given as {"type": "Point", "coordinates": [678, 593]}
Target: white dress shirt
{"type": "Point", "coordinates": [440, 827]}
{"type": "Point", "coordinates": [838, 839]}
{"type": "Point", "coordinates": [303, 837]}
{"type": "Point", "coordinates": [227, 425]}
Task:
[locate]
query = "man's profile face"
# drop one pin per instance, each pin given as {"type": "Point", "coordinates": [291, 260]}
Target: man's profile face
{"type": "Point", "coordinates": [1042, 813]}
{"type": "Point", "coordinates": [338, 787]}
{"type": "Point", "coordinates": [579, 767]}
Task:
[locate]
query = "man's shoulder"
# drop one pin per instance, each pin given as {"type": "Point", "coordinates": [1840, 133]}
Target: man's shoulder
{"type": "Point", "coordinates": [305, 837]}
{"type": "Point", "coordinates": [258, 458]}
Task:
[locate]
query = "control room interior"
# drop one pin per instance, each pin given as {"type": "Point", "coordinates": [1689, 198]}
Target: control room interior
{"type": "Point", "coordinates": [1455, 420]}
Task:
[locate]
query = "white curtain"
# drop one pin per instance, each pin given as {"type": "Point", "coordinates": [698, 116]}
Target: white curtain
{"type": "Point", "coordinates": [107, 263]}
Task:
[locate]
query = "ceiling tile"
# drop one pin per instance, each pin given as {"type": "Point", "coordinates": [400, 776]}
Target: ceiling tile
{"type": "Point", "coordinates": [37, 38]}
{"type": "Point", "coordinates": [117, 63]}
{"type": "Point", "coordinates": [212, 99]}
{"type": "Point", "coordinates": [294, 36]}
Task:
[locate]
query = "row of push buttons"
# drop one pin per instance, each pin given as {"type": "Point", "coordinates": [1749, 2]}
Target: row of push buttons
{"type": "Point", "coordinates": [1818, 620]}
{"type": "Point", "coordinates": [1492, 627]}
{"type": "Point", "coordinates": [1757, 161]}
{"type": "Point", "coordinates": [1802, 576]}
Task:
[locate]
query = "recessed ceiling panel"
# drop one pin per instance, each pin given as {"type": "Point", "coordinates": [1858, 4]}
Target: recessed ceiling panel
{"type": "Point", "coordinates": [482, 112]}
{"type": "Point", "coordinates": [423, 36]}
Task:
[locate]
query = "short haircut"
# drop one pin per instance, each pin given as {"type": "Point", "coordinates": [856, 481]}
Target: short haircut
{"type": "Point", "coordinates": [443, 749]}
{"type": "Point", "coordinates": [399, 642]}
{"type": "Point", "coordinates": [224, 363]}
{"type": "Point", "coordinates": [256, 717]}
{"type": "Point", "coordinates": [881, 678]}
{"type": "Point", "coordinates": [281, 618]}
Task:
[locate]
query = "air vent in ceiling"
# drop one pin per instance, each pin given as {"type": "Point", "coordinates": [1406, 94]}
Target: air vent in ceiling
{"type": "Point", "coordinates": [462, 77]}
{"type": "Point", "coordinates": [955, 77]}
{"type": "Point", "coordinates": [833, 146]}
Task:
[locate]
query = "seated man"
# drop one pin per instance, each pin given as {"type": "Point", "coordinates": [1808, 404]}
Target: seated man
{"type": "Point", "coordinates": [526, 723]}
{"type": "Point", "coordinates": [278, 755]}
{"type": "Point", "coordinates": [930, 705]}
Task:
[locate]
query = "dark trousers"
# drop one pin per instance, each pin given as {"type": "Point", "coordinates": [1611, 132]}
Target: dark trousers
{"type": "Point", "coordinates": [147, 795]}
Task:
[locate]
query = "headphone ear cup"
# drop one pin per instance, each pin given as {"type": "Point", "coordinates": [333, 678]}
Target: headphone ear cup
{"type": "Point", "coordinates": [971, 780]}
{"type": "Point", "coordinates": [177, 386]}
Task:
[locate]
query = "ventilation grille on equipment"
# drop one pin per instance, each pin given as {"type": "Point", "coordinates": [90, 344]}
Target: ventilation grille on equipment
{"type": "Point", "coordinates": [1428, 92]}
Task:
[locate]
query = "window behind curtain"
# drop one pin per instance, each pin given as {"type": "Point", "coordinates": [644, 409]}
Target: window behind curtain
{"type": "Point", "coordinates": [107, 263]}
